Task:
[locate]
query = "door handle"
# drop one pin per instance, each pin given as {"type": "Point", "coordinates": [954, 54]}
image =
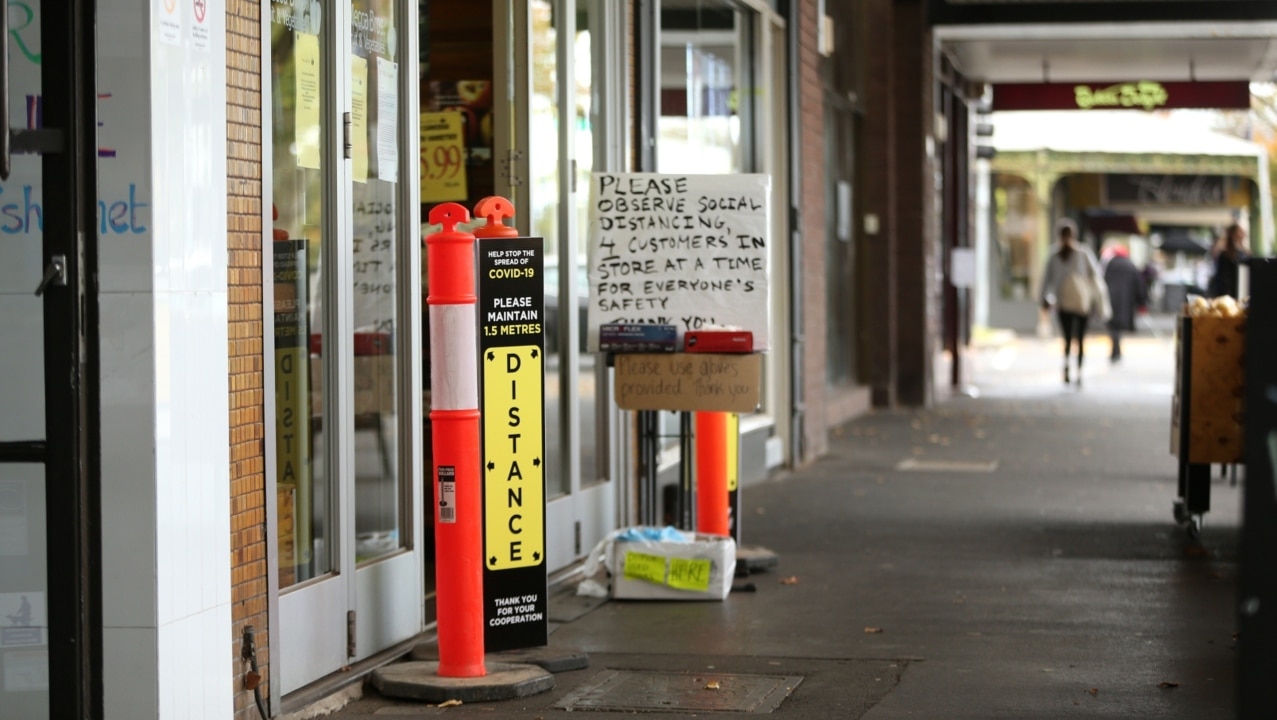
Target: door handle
{"type": "Point", "coordinates": [56, 273]}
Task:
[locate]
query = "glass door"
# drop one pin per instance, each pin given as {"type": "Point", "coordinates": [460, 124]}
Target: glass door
{"type": "Point", "coordinates": [722, 99]}
{"type": "Point", "coordinates": [347, 424]}
{"type": "Point", "coordinates": [387, 412]}
{"type": "Point", "coordinates": [50, 660]}
{"type": "Point", "coordinates": [556, 59]}
{"type": "Point", "coordinates": [307, 107]}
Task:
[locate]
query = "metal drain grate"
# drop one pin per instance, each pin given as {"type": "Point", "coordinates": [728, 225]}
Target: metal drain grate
{"type": "Point", "coordinates": [647, 691]}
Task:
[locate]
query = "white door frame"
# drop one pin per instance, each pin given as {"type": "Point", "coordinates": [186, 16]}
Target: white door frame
{"type": "Point", "coordinates": [309, 622]}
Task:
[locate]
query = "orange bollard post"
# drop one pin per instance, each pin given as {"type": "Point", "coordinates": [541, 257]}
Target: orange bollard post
{"type": "Point", "coordinates": [496, 209]}
{"type": "Point", "coordinates": [454, 419]}
{"type": "Point", "coordinates": [711, 473]}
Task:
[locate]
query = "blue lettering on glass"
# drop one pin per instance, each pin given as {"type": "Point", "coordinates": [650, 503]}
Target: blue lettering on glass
{"type": "Point", "coordinates": [118, 217]}
{"type": "Point", "coordinates": [115, 223]}
{"type": "Point", "coordinates": [21, 215]}
{"type": "Point", "coordinates": [13, 213]}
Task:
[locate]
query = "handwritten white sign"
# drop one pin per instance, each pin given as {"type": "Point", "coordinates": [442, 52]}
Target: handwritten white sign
{"type": "Point", "coordinates": [683, 250]}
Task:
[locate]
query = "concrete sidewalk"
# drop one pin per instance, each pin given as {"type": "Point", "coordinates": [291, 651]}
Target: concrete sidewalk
{"type": "Point", "coordinates": [1009, 556]}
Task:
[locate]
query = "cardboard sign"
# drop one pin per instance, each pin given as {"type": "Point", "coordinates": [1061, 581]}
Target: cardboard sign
{"type": "Point", "coordinates": [512, 367]}
{"type": "Point", "coordinates": [683, 250]}
{"type": "Point", "coordinates": [689, 381]}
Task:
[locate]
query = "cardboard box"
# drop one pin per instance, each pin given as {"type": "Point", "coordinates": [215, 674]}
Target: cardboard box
{"type": "Point", "coordinates": [374, 384]}
{"type": "Point", "coordinates": [1216, 390]}
{"type": "Point", "coordinates": [656, 570]}
{"type": "Point", "coordinates": [712, 382]}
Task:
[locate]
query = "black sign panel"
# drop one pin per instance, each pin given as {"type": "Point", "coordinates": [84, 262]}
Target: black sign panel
{"type": "Point", "coordinates": [1130, 95]}
{"type": "Point", "coordinates": [512, 361]}
{"type": "Point", "coordinates": [1257, 585]}
{"type": "Point", "coordinates": [1176, 190]}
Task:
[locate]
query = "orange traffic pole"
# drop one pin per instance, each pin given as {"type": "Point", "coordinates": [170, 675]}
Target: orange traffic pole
{"type": "Point", "coordinates": [711, 473]}
{"type": "Point", "coordinates": [496, 209]}
{"type": "Point", "coordinates": [454, 420]}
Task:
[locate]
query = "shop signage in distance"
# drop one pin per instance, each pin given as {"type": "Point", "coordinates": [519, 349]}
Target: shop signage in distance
{"type": "Point", "coordinates": [1133, 95]}
{"type": "Point", "coordinates": [511, 307]}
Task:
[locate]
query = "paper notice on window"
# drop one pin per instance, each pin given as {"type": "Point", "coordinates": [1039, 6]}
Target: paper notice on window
{"type": "Point", "coordinates": [443, 157]}
{"type": "Point", "coordinates": [23, 619]}
{"type": "Point", "coordinates": [169, 19]}
{"type": "Point", "coordinates": [13, 518]}
{"type": "Point", "coordinates": [359, 117]}
{"type": "Point", "coordinates": [683, 250]}
{"type": "Point", "coordinates": [306, 63]}
{"type": "Point", "coordinates": [387, 120]}
{"type": "Point", "coordinates": [962, 267]}
{"type": "Point", "coordinates": [26, 671]}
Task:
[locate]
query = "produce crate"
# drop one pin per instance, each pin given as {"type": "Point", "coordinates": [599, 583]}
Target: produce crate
{"type": "Point", "coordinates": [1207, 418]}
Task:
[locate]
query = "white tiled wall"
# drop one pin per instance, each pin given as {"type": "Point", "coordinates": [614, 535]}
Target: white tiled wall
{"type": "Point", "coordinates": [128, 461]}
{"type": "Point", "coordinates": [166, 467]}
{"type": "Point", "coordinates": [130, 656]}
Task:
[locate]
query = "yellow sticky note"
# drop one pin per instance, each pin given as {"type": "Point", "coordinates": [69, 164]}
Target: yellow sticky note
{"type": "Point", "coordinates": [641, 566]}
{"type": "Point", "coordinates": [443, 157]}
{"type": "Point", "coordinates": [306, 64]}
{"type": "Point", "coordinates": [689, 574]}
{"type": "Point", "coordinates": [359, 117]}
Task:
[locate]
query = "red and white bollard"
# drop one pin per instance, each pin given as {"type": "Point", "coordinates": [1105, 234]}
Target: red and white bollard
{"type": "Point", "coordinates": [454, 419]}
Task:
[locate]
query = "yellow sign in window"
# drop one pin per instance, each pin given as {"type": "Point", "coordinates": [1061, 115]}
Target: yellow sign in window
{"type": "Point", "coordinates": [443, 157]}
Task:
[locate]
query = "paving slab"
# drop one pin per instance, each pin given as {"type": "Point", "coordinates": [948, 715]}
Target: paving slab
{"type": "Point", "coordinates": [1025, 564]}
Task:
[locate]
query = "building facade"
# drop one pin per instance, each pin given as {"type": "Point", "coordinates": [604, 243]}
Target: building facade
{"type": "Point", "coordinates": [229, 505]}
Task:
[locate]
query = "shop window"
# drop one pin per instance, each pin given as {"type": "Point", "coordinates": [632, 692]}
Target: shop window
{"type": "Point", "coordinates": [1015, 217]}
{"type": "Point", "coordinates": [303, 493]}
{"type": "Point", "coordinates": [546, 197]}
{"type": "Point", "coordinates": [707, 94]}
{"type": "Point", "coordinates": [706, 88]}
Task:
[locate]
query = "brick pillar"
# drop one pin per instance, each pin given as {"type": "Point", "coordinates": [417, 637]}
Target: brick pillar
{"type": "Point", "coordinates": [916, 226]}
{"type": "Point", "coordinates": [247, 395]}
{"type": "Point", "coordinates": [812, 294]}
{"type": "Point", "coordinates": [876, 184]}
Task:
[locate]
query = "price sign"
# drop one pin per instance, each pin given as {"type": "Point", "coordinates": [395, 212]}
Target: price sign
{"type": "Point", "coordinates": [443, 157]}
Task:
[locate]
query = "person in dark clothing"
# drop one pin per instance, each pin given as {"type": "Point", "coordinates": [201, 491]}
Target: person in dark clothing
{"type": "Point", "coordinates": [1227, 262]}
{"type": "Point", "coordinates": [1127, 294]}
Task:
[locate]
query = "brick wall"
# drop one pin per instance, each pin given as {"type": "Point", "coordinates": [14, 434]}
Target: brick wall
{"type": "Point", "coordinates": [876, 183]}
{"type": "Point", "coordinates": [244, 242]}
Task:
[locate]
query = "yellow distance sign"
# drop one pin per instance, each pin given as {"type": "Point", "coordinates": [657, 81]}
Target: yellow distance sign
{"type": "Point", "coordinates": [733, 452]}
{"type": "Point", "coordinates": [514, 529]}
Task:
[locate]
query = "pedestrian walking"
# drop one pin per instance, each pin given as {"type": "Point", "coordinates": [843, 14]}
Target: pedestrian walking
{"type": "Point", "coordinates": [1128, 294]}
{"type": "Point", "coordinates": [1073, 286]}
{"type": "Point", "coordinates": [1229, 258]}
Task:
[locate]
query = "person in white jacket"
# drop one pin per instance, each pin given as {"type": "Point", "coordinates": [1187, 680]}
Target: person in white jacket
{"type": "Point", "coordinates": [1072, 285]}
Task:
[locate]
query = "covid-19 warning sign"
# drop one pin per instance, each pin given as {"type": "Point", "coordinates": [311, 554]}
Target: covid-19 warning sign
{"type": "Point", "coordinates": [512, 361]}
